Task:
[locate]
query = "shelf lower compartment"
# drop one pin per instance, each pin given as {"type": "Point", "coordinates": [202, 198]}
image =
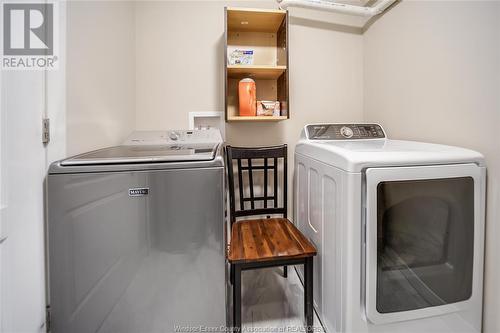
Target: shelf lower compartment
{"type": "Point", "coordinates": [256, 118]}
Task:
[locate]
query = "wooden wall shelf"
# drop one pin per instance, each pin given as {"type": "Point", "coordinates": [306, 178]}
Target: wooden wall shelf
{"type": "Point", "coordinates": [266, 33]}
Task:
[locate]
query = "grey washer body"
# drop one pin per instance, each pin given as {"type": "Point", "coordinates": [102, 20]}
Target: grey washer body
{"type": "Point", "coordinates": [131, 261]}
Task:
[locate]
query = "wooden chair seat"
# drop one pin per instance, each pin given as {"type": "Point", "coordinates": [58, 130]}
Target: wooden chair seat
{"type": "Point", "coordinates": [267, 240]}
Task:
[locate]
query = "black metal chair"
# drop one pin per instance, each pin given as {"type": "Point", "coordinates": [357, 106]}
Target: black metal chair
{"type": "Point", "coordinates": [264, 242]}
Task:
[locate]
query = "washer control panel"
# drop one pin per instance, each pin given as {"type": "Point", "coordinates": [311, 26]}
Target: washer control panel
{"type": "Point", "coordinates": [344, 132]}
{"type": "Point", "coordinates": [174, 137]}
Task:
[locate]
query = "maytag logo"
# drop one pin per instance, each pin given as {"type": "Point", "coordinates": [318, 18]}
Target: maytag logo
{"type": "Point", "coordinates": [138, 192]}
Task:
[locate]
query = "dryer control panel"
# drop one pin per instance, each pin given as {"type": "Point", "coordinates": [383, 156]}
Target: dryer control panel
{"type": "Point", "coordinates": [344, 132]}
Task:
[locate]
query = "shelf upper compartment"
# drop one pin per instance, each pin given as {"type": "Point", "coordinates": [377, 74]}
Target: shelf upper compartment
{"type": "Point", "coordinates": [256, 118]}
{"type": "Point", "coordinates": [255, 72]}
{"type": "Point", "coordinates": [255, 20]}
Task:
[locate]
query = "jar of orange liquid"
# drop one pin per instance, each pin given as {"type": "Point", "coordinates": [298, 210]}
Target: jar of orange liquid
{"type": "Point", "coordinates": [247, 93]}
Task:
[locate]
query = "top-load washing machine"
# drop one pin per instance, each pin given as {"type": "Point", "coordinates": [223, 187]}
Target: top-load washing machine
{"type": "Point", "coordinates": [135, 236]}
{"type": "Point", "coordinates": [399, 228]}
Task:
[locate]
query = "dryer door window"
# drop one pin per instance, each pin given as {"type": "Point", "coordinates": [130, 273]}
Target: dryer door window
{"type": "Point", "coordinates": [425, 243]}
{"type": "Point", "coordinates": [423, 236]}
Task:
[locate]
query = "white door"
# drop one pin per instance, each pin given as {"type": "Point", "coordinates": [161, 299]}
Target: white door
{"type": "Point", "coordinates": [424, 241]}
{"type": "Point", "coordinates": [23, 165]}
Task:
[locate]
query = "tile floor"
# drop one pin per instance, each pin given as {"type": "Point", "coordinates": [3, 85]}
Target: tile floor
{"type": "Point", "coordinates": [271, 303]}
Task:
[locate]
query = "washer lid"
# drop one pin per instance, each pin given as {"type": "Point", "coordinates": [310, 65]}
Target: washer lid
{"type": "Point", "coordinates": [145, 154]}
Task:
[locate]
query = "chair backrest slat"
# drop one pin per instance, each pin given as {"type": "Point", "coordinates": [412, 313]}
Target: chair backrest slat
{"type": "Point", "coordinates": [251, 155]}
{"type": "Point", "coordinates": [265, 182]}
{"type": "Point", "coordinates": [275, 181]}
{"type": "Point", "coordinates": [240, 181]}
{"type": "Point", "coordinates": [250, 182]}
{"type": "Point", "coordinates": [285, 181]}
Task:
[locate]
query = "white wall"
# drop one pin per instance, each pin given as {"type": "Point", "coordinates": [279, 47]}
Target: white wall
{"type": "Point", "coordinates": [179, 69]}
{"type": "Point", "coordinates": [100, 74]}
{"type": "Point", "coordinates": [147, 64]}
{"type": "Point", "coordinates": [432, 73]}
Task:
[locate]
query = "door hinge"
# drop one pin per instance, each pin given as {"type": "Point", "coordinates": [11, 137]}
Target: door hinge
{"type": "Point", "coordinates": [47, 318]}
{"type": "Point", "coordinates": [46, 130]}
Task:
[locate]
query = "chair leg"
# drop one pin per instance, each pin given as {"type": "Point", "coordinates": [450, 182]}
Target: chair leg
{"type": "Point", "coordinates": [237, 298]}
{"type": "Point", "coordinates": [231, 274]}
{"type": "Point", "coordinates": [285, 271]}
{"type": "Point", "coordinates": [308, 293]}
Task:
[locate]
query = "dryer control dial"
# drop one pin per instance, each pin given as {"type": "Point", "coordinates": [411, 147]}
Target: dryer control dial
{"type": "Point", "coordinates": [346, 132]}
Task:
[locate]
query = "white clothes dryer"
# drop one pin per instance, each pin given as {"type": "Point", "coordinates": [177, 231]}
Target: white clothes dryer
{"type": "Point", "coordinates": [399, 228]}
